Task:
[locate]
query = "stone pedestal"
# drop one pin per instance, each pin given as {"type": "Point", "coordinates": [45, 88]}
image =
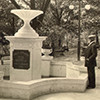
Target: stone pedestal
{"type": "Point", "coordinates": [46, 64]}
{"type": "Point", "coordinates": [25, 58]}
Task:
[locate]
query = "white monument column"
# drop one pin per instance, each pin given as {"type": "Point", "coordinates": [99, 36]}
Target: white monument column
{"type": "Point", "coordinates": [25, 49]}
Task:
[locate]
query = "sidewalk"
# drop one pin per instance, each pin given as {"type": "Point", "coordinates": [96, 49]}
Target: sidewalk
{"type": "Point", "coordinates": [90, 94]}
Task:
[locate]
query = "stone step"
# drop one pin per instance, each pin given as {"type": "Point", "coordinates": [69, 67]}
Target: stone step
{"type": "Point", "coordinates": [32, 89]}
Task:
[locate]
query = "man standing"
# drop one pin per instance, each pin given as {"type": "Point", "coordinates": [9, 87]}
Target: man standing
{"type": "Point", "coordinates": [90, 60]}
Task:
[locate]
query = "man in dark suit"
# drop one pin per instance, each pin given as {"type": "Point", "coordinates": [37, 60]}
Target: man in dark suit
{"type": "Point", "coordinates": [90, 60]}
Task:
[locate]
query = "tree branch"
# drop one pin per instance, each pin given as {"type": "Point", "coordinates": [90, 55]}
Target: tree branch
{"type": "Point", "coordinates": [44, 8]}
{"type": "Point", "coordinates": [32, 2]}
{"type": "Point", "coordinates": [43, 4]}
{"type": "Point", "coordinates": [37, 23]}
{"type": "Point", "coordinates": [15, 4]}
{"type": "Point", "coordinates": [26, 2]}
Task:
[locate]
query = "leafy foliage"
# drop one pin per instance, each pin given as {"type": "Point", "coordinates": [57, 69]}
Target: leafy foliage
{"type": "Point", "coordinates": [57, 17]}
{"type": "Point", "coordinates": [5, 16]}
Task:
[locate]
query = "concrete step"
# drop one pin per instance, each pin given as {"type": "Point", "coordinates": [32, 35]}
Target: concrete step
{"type": "Point", "coordinates": [32, 89]}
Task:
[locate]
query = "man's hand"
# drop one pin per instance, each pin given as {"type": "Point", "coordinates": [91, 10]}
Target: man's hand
{"type": "Point", "coordinates": [87, 59]}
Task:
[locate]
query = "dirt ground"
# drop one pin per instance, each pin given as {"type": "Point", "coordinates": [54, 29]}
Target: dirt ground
{"type": "Point", "coordinates": [71, 55]}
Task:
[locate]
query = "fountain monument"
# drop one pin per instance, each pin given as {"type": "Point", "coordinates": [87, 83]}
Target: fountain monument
{"type": "Point", "coordinates": [25, 66]}
{"type": "Point", "coordinates": [25, 49]}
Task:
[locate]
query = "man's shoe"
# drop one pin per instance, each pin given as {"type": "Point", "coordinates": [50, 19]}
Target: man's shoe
{"type": "Point", "coordinates": [90, 87]}
{"type": "Point", "coordinates": [93, 87]}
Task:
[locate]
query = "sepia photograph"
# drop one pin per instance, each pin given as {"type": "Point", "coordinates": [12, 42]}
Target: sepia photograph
{"type": "Point", "coordinates": [49, 49]}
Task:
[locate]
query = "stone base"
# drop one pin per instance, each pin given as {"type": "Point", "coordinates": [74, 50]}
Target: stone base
{"type": "Point", "coordinates": [32, 89]}
{"type": "Point", "coordinates": [45, 66]}
{"type": "Point", "coordinates": [25, 58]}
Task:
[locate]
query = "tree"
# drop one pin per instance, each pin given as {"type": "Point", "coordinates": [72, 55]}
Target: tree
{"type": "Point", "coordinates": [6, 22]}
{"type": "Point", "coordinates": [91, 20]}
{"type": "Point", "coordinates": [57, 14]}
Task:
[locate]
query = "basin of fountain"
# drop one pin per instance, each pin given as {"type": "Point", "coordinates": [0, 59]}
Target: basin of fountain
{"type": "Point", "coordinates": [26, 15]}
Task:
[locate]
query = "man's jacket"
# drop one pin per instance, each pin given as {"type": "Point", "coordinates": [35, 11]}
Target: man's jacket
{"type": "Point", "coordinates": [90, 55]}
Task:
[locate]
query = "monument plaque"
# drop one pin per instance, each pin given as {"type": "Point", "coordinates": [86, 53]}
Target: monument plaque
{"type": "Point", "coordinates": [21, 59]}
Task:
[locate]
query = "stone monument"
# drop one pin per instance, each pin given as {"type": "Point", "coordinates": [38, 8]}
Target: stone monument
{"type": "Point", "coordinates": [25, 66]}
{"type": "Point", "coordinates": [25, 49]}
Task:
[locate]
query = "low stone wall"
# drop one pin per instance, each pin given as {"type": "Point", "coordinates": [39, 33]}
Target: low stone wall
{"type": "Point", "coordinates": [32, 89]}
{"type": "Point", "coordinates": [61, 68]}
{"type": "Point", "coordinates": [58, 69]}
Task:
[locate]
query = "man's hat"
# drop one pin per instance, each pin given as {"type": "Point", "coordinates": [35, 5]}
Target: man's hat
{"type": "Point", "coordinates": [91, 36]}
